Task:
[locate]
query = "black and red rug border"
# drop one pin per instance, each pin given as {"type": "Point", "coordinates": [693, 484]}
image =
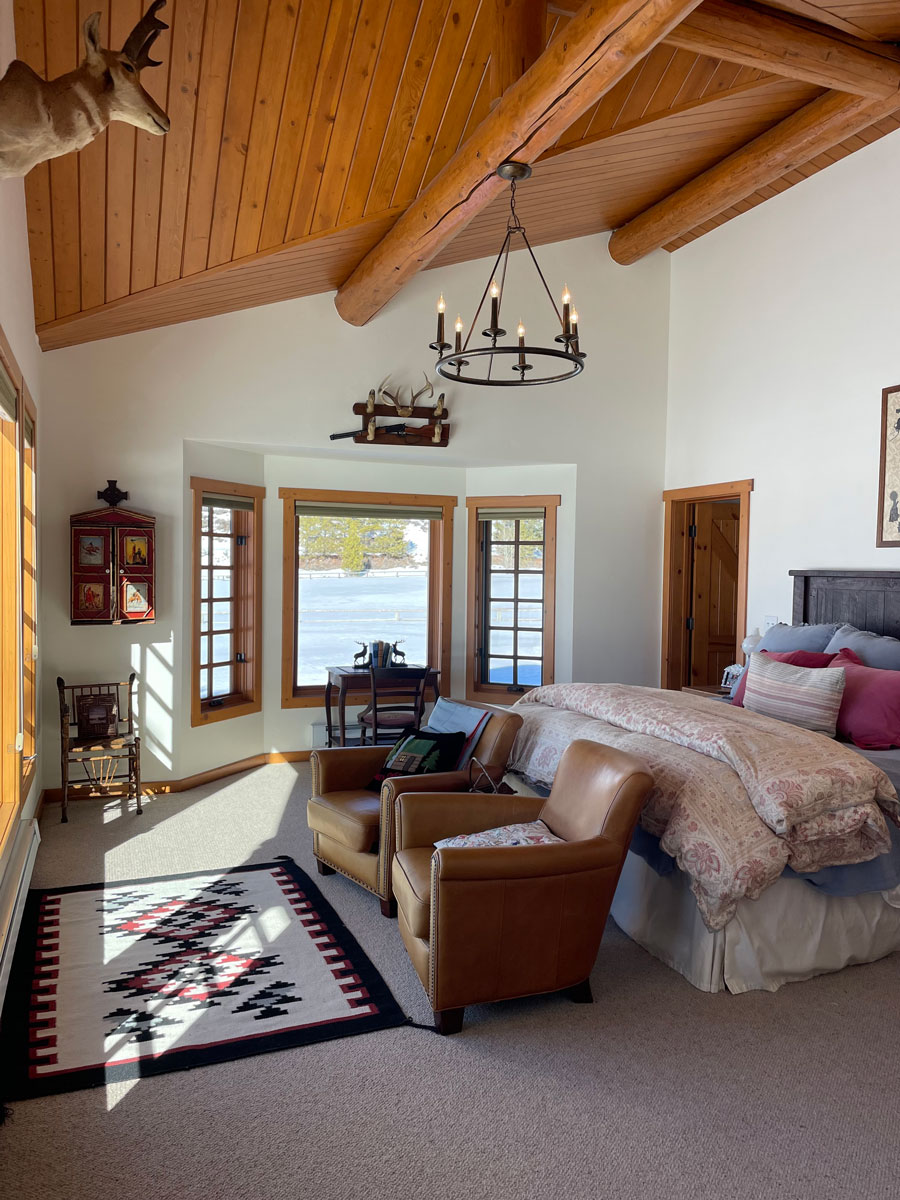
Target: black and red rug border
{"type": "Point", "coordinates": [19, 1084]}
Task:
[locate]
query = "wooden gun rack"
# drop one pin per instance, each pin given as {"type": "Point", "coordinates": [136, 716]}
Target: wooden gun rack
{"type": "Point", "coordinates": [435, 432]}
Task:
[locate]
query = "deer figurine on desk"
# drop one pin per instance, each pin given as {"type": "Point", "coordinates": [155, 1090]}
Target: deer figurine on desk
{"type": "Point", "coordinates": [41, 119]}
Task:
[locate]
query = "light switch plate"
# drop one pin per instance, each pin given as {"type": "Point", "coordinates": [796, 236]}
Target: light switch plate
{"type": "Point", "coordinates": [770, 621]}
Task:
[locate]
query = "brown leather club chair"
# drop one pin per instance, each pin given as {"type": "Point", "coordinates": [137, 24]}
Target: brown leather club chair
{"type": "Point", "coordinates": [353, 826]}
{"type": "Point", "coordinates": [484, 924]}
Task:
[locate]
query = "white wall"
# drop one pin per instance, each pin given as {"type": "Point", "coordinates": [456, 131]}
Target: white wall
{"type": "Point", "coordinates": [785, 327]}
{"type": "Point", "coordinates": [274, 382]}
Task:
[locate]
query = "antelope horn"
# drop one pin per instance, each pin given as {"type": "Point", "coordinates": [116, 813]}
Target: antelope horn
{"type": "Point", "coordinates": [429, 388]}
{"type": "Point", "coordinates": [138, 43]}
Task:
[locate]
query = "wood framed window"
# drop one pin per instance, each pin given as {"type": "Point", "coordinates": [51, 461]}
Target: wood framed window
{"type": "Point", "coordinates": [226, 659]}
{"type": "Point", "coordinates": [28, 458]}
{"type": "Point", "coordinates": [511, 602]}
{"type": "Point", "coordinates": [11, 681]}
{"type": "Point", "coordinates": [361, 567]}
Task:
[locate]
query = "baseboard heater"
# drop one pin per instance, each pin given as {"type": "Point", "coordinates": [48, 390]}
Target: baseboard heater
{"type": "Point", "coordinates": [17, 867]}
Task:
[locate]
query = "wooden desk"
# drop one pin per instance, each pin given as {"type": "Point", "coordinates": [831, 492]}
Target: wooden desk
{"type": "Point", "coordinates": [355, 679]}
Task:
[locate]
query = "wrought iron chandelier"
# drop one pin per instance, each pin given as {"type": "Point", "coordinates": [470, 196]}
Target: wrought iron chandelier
{"type": "Point", "coordinates": [553, 364]}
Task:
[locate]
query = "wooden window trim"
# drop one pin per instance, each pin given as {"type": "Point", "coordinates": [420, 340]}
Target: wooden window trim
{"type": "Point", "coordinates": [499, 693]}
{"type": "Point", "coordinates": [28, 597]}
{"type": "Point", "coordinates": [440, 583]}
{"type": "Point", "coordinates": [248, 606]}
{"type": "Point", "coordinates": [13, 779]}
{"type": "Point", "coordinates": [675, 572]}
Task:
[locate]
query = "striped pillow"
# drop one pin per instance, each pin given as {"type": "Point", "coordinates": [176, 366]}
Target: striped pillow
{"type": "Point", "coordinates": [804, 696]}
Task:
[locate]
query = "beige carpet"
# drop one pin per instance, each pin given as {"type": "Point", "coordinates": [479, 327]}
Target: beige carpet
{"type": "Point", "coordinates": [655, 1091]}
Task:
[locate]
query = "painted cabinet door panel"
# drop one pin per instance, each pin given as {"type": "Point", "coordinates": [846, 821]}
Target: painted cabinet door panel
{"type": "Point", "coordinates": [92, 598]}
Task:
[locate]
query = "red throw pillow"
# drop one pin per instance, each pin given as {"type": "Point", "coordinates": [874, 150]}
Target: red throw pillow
{"type": "Point", "coordinates": [794, 658]}
{"type": "Point", "coordinates": [870, 707]}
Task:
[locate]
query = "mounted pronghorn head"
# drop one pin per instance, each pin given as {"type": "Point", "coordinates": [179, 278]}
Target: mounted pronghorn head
{"type": "Point", "coordinates": [42, 119]}
{"type": "Point", "coordinates": [118, 71]}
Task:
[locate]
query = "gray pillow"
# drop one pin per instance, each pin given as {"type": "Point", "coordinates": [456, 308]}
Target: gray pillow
{"type": "Point", "coordinates": [872, 648]}
{"type": "Point", "coordinates": [782, 639]}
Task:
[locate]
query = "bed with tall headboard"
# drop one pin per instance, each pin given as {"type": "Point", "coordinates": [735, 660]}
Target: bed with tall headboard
{"type": "Point", "coordinates": [793, 930]}
{"type": "Point", "coordinates": [869, 600]}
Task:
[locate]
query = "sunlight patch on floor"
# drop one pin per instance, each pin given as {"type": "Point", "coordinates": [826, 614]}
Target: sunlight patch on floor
{"type": "Point", "coordinates": [116, 1092]}
{"type": "Point", "coordinates": [173, 825]}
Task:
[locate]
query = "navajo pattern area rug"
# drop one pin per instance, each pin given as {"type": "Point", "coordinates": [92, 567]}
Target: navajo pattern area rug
{"type": "Point", "coordinates": [126, 980]}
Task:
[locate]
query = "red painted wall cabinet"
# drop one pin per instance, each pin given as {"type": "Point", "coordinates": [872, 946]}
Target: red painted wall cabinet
{"type": "Point", "coordinates": [113, 567]}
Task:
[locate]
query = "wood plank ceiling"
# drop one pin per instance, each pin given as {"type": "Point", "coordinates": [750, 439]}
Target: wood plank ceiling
{"type": "Point", "coordinates": [302, 129]}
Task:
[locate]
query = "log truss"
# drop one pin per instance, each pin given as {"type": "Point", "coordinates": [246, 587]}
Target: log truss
{"type": "Point", "coordinates": [348, 145]}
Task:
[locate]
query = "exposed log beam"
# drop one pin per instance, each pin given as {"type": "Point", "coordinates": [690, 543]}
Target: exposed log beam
{"type": "Point", "coordinates": [756, 38]}
{"type": "Point", "coordinates": [600, 45]}
{"type": "Point", "coordinates": [518, 39]}
{"type": "Point", "coordinates": [811, 130]}
{"type": "Point", "coordinates": [759, 39]}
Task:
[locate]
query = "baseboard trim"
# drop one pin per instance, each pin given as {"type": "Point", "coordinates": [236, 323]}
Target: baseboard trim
{"type": "Point", "coordinates": [168, 786]}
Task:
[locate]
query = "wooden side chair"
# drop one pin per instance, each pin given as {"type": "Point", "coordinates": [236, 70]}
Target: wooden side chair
{"type": "Point", "coordinates": [97, 730]}
{"type": "Point", "coordinates": [397, 702]}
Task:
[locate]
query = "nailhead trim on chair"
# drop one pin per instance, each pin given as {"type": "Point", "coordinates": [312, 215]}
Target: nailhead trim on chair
{"type": "Point", "coordinates": [432, 931]}
{"type": "Point", "coordinates": [386, 842]}
{"type": "Point", "coordinates": [340, 870]}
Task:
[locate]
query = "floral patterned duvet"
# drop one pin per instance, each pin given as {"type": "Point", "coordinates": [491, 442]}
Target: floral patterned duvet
{"type": "Point", "coordinates": [737, 796]}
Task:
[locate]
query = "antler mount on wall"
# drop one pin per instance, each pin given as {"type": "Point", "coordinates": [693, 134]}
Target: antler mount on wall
{"type": "Point", "coordinates": [384, 402]}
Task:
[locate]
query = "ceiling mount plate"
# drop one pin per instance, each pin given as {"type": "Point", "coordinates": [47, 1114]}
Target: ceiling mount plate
{"type": "Point", "coordinates": [511, 169]}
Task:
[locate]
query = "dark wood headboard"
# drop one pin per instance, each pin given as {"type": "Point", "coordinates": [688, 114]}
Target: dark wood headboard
{"type": "Point", "coordinates": [867, 599]}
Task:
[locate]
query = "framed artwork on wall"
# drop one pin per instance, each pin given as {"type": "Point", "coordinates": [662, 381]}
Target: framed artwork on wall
{"type": "Point", "coordinates": [889, 473]}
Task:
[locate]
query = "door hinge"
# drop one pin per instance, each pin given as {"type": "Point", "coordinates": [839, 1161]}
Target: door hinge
{"type": "Point", "coordinates": [689, 623]}
{"type": "Point", "coordinates": [692, 531]}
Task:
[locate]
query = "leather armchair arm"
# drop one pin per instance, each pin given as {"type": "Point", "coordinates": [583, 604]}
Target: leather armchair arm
{"type": "Point", "coordinates": [345, 767]}
{"type": "Point", "coordinates": [422, 818]}
{"type": "Point", "coordinates": [439, 781]}
{"type": "Point", "coordinates": [526, 862]}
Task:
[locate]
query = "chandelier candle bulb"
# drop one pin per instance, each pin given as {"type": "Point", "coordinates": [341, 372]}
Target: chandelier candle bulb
{"type": "Point", "coordinates": [441, 306]}
{"type": "Point", "coordinates": [495, 305]}
{"type": "Point", "coordinates": [521, 332]}
{"type": "Point", "coordinates": [458, 329]}
{"type": "Point", "coordinates": [574, 320]}
{"type": "Point", "coordinates": [566, 303]}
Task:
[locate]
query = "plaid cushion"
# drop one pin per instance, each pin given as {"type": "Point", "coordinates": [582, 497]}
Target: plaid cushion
{"type": "Point", "coordinates": [422, 753]}
{"type": "Point", "coordinates": [804, 696]}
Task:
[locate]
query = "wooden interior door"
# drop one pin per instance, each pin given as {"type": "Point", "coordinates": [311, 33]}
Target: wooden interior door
{"type": "Point", "coordinates": [712, 624]}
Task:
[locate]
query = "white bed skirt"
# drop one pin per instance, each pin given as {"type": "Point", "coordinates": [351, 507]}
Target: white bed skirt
{"type": "Point", "coordinates": [791, 932]}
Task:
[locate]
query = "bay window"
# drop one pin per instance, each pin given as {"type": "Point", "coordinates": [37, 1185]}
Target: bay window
{"type": "Point", "coordinates": [362, 567]}
{"type": "Point", "coordinates": [511, 595]}
{"type": "Point", "coordinates": [226, 675]}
